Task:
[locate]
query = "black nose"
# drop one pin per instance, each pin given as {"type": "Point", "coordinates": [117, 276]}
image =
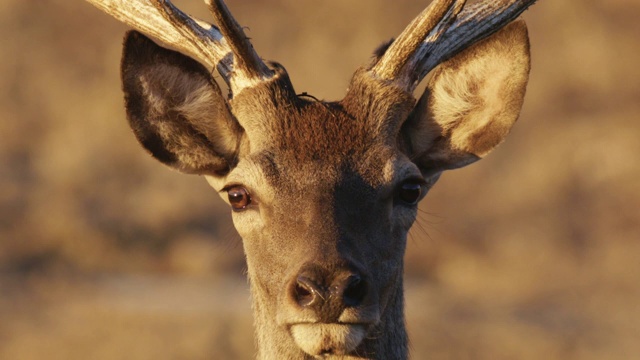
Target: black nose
{"type": "Point", "coordinates": [352, 290]}
{"type": "Point", "coordinates": [316, 289]}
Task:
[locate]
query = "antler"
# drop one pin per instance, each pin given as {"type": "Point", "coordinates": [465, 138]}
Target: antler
{"type": "Point", "coordinates": [226, 48]}
{"type": "Point", "coordinates": [439, 32]}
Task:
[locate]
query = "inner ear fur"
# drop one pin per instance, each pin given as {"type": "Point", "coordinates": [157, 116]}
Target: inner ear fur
{"type": "Point", "coordinates": [471, 102]}
{"type": "Point", "coordinates": [176, 109]}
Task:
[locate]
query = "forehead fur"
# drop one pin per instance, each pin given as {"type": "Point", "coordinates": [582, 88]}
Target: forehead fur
{"type": "Point", "coordinates": [358, 134]}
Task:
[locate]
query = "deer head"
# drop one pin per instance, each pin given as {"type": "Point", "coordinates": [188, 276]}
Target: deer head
{"type": "Point", "coordinates": [324, 193]}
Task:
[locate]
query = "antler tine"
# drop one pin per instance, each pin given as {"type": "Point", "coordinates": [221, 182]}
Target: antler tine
{"type": "Point", "coordinates": [232, 54]}
{"type": "Point", "coordinates": [441, 31]}
{"type": "Point", "coordinates": [210, 44]}
{"type": "Point", "coordinates": [473, 24]}
{"type": "Point", "coordinates": [403, 50]}
{"type": "Point", "coordinates": [248, 65]}
{"type": "Point", "coordinates": [162, 21]}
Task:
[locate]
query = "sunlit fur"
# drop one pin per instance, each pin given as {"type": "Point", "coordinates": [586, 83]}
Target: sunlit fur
{"type": "Point", "coordinates": [471, 101]}
{"type": "Point", "coordinates": [323, 176]}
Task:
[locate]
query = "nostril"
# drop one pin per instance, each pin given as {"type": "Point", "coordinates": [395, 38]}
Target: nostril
{"type": "Point", "coordinates": [326, 352]}
{"type": "Point", "coordinates": [304, 296]}
{"type": "Point", "coordinates": [354, 291]}
{"type": "Point", "coordinates": [306, 292]}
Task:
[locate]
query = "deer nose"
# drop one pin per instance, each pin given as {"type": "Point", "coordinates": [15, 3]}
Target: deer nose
{"type": "Point", "coordinates": [307, 292]}
{"type": "Point", "coordinates": [347, 289]}
{"type": "Point", "coordinates": [352, 290]}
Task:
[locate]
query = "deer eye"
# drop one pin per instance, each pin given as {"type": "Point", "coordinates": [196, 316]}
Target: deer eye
{"type": "Point", "coordinates": [410, 191]}
{"type": "Point", "coordinates": [239, 197]}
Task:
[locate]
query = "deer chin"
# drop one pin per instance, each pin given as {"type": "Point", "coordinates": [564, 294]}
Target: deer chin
{"type": "Point", "coordinates": [324, 340]}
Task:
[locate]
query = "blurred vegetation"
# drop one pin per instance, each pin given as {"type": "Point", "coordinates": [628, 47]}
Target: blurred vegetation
{"type": "Point", "coordinates": [106, 254]}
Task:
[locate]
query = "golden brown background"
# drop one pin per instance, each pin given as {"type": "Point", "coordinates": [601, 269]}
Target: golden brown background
{"type": "Point", "coordinates": [105, 254]}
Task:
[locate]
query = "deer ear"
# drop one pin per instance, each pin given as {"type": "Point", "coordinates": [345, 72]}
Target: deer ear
{"type": "Point", "coordinates": [470, 103]}
{"type": "Point", "coordinates": [176, 109]}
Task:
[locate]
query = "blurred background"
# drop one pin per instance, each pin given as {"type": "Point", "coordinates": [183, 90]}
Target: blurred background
{"type": "Point", "coordinates": [106, 254]}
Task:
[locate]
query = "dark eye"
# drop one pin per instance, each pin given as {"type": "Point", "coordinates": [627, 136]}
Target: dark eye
{"type": "Point", "coordinates": [409, 192]}
{"type": "Point", "coordinates": [239, 197]}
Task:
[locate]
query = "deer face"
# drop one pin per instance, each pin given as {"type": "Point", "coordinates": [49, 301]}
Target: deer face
{"type": "Point", "coordinates": [324, 193]}
{"type": "Point", "coordinates": [323, 200]}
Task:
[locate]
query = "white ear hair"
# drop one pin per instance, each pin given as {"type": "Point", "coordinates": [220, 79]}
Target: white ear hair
{"type": "Point", "coordinates": [472, 100]}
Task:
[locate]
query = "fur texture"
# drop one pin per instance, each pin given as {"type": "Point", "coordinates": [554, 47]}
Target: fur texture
{"type": "Point", "coordinates": [471, 101]}
{"type": "Point", "coordinates": [324, 177]}
{"type": "Point", "coordinates": [176, 109]}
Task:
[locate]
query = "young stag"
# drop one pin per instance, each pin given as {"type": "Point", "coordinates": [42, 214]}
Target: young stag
{"type": "Point", "coordinates": [324, 193]}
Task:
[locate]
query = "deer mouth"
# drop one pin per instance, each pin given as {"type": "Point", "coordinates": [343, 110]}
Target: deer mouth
{"type": "Point", "coordinates": [325, 340]}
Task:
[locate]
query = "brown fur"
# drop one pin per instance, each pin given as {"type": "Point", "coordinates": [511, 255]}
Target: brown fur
{"type": "Point", "coordinates": [324, 176]}
{"type": "Point", "coordinates": [170, 99]}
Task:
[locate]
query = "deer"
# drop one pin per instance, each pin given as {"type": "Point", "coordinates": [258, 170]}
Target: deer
{"type": "Point", "coordinates": [323, 193]}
